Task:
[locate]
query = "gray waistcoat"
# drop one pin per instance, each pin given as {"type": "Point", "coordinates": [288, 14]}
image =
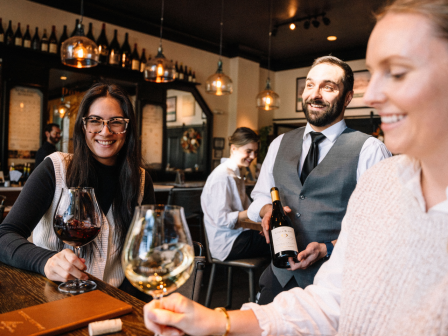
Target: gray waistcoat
{"type": "Point", "coordinates": [318, 206]}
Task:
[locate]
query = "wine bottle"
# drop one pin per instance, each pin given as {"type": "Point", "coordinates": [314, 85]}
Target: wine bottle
{"type": "Point", "coordinates": [35, 42]}
{"type": "Point", "coordinates": [114, 51]}
{"type": "Point", "coordinates": [44, 42]}
{"type": "Point", "coordinates": [53, 42]}
{"type": "Point", "coordinates": [135, 59]}
{"type": "Point", "coordinates": [9, 35]}
{"type": "Point", "coordinates": [2, 32]}
{"type": "Point", "coordinates": [181, 72]}
{"type": "Point", "coordinates": [18, 36]}
{"type": "Point", "coordinates": [103, 45]}
{"type": "Point", "coordinates": [281, 234]}
{"type": "Point", "coordinates": [126, 53]}
{"type": "Point", "coordinates": [76, 28]}
{"type": "Point", "coordinates": [63, 37]}
{"type": "Point", "coordinates": [27, 38]}
{"type": "Point", "coordinates": [176, 71]}
{"type": "Point", "coordinates": [194, 77]}
{"type": "Point", "coordinates": [190, 75]}
{"type": "Point", "coordinates": [143, 61]}
{"type": "Point", "coordinates": [90, 32]}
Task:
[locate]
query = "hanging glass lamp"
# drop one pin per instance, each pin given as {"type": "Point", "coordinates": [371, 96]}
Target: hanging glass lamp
{"type": "Point", "coordinates": [63, 109]}
{"type": "Point", "coordinates": [219, 83]}
{"type": "Point", "coordinates": [268, 99]}
{"type": "Point", "coordinates": [79, 51]}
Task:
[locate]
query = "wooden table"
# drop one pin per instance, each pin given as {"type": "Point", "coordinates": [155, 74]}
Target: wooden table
{"type": "Point", "coordinates": [21, 289]}
{"type": "Point", "coordinates": [248, 224]}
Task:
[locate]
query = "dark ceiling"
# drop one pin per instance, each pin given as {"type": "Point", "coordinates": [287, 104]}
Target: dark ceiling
{"type": "Point", "coordinates": [246, 25]}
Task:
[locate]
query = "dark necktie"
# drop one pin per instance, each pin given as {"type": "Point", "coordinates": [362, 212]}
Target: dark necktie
{"type": "Point", "coordinates": [312, 156]}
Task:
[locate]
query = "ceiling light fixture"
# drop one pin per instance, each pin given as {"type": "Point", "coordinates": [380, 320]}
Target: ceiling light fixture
{"type": "Point", "coordinates": [292, 26]}
{"type": "Point", "coordinates": [219, 84]}
{"type": "Point", "coordinates": [268, 99]}
{"type": "Point", "coordinates": [159, 69]}
{"type": "Point", "coordinates": [79, 51]}
{"type": "Point", "coordinates": [315, 23]}
{"type": "Point", "coordinates": [332, 38]}
{"type": "Point", "coordinates": [326, 20]}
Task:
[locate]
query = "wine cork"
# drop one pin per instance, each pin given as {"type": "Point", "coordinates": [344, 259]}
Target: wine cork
{"type": "Point", "coordinates": [105, 327]}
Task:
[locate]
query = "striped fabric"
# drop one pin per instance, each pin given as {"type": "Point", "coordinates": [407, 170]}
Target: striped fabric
{"type": "Point", "coordinates": [106, 263]}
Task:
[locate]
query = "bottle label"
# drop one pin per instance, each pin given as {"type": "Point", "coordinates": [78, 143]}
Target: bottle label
{"type": "Point", "coordinates": [142, 67]}
{"type": "Point", "coordinates": [181, 75]}
{"type": "Point", "coordinates": [53, 48]}
{"type": "Point", "coordinates": [27, 44]}
{"type": "Point", "coordinates": [284, 239]}
{"type": "Point", "coordinates": [18, 41]}
{"type": "Point", "coordinates": [136, 65]}
{"type": "Point", "coordinates": [44, 47]}
{"type": "Point", "coordinates": [114, 58]}
{"type": "Point", "coordinates": [2, 38]}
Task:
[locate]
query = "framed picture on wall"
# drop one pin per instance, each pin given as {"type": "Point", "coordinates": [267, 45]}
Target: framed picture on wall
{"type": "Point", "coordinates": [300, 86]}
{"type": "Point", "coordinates": [361, 81]}
{"type": "Point", "coordinates": [216, 163]}
{"type": "Point", "coordinates": [218, 153]}
{"type": "Point", "coordinates": [171, 106]}
{"type": "Point", "coordinates": [218, 143]}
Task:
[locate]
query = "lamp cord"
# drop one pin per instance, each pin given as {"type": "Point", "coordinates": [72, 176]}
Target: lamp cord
{"type": "Point", "coordinates": [161, 23]}
{"type": "Point", "coordinates": [82, 11]}
{"type": "Point", "coordinates": [222, 18]}
{"type": "Point", "coordinates": [270, 35]}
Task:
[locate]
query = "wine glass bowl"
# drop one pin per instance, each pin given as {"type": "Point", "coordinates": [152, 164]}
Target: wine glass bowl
{"type": "Point", "coordinates": [158, 253]}
{"type": "Point", "coordinates": [77, 222]}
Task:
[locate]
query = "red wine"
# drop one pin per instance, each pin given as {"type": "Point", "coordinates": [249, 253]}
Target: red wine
{"type": "Point", "coordinates": [27, 38]}
{"type": "Point", "coordinates": [74, 232]}
{"type": "Point", "coordinates": [126, 53]}
{"type": "Point", "coordinates": [281, 234]}
{"type": "Point", "coordinates": [103, 45]}
{"type": "Point", "coordinates": [18, 36]}
{"type": "Point", "coordinates": [53, 42]}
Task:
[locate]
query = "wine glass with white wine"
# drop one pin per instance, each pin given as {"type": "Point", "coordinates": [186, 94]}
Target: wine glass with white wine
{"type": "Point", "coordinates": [158, 253]}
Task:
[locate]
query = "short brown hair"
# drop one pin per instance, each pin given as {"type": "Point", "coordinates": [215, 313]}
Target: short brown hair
{"type": "Point", "coordinates": [243, 136]}
{"type": "Point", "coordinates": [347, 79]}
{"type": "Point", "coordinates": [435, 10]}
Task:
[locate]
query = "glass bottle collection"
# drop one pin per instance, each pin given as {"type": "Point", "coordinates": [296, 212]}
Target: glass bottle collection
{"type": "Point", "coordinates": [110, 54]}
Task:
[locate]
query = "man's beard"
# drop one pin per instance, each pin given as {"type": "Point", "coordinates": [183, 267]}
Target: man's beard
{"type": "Point", "coordinates": [54, 140]}
{"type": "Point", "coordinates": [326, 117]}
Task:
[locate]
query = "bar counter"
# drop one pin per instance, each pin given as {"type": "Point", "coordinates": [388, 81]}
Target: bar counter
{"type": "Point", "coordinates": [20, 289]}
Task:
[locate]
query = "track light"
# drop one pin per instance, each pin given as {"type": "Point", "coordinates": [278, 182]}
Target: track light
{"type": "Point", "coordinates": [306, 25]}
{"type": "Point", "coordinates": [326, 20]}
{"type": "Point", "coordinates": [292, 26]}
{"type": "Point", "coordinates": [315, 23]}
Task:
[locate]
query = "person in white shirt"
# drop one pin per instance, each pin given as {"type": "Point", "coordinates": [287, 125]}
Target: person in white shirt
{"type": "Point", "coordinates": [388, 274]}
{"type": "Point", "coordinates": [224, 202]}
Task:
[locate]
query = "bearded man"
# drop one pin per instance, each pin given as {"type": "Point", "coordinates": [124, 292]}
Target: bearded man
{"type": "Point", "coordinates": [52, 135]}
{"type": "Point", "coordinates": [316, 169]}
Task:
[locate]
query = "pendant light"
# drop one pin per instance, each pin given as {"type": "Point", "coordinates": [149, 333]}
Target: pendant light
{"type": "Point", "coordinates": [219, 84]}
{"type": "Point", "coordinates": [63, 109]}
{"type": "Point", "coordinates": [268, 99]}
{"type": "Point", "coordinates": [79, 51]}
{"type": "Point", "coordinates": [159, 69]}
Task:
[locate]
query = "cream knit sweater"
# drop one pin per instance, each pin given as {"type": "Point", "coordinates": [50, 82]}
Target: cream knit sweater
{"type": "Point", "coordinates": [388, 274]}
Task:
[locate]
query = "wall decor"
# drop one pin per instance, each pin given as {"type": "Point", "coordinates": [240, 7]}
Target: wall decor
{"type": "Point", "coordinates": [171, 107]}
{"type": "Point", "coordinates": [218, 143]}
{"type": "Point", "coordinates": [218, 153]}
{"type": "Point", "coordinates": [216, 163]}
{"type": "Point", "coordinates": [300, 86]}
{"type": "Point", "coordinates": [191, 141]}
{"type": "Point", "coordinates": [362, 79]}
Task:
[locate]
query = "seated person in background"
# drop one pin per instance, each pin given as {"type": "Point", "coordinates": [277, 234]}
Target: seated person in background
{"type": "Point", "coordinates": [53, 135]}
{"type": "Point", "coordinates": [388, 274]}
{"type": "Point", "coordinates": [224, 203]}
{"type": "Point", "coordinates": [106, 157]}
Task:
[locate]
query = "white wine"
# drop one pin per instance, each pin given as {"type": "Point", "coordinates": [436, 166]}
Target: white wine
{"type": "Point", "coordinates": [162, 270]}
{"type": "Point", "coordinates": [281, 234]}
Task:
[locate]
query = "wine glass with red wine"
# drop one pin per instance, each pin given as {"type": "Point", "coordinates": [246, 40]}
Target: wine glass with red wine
{"type": "Point", "coordinates": [77, 222]}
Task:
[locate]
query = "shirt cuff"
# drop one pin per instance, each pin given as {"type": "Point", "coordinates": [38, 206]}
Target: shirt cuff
{"type": "Point", "coordinates": [253, 212]}
{"type": "Point", "coordinates": [267, 317]}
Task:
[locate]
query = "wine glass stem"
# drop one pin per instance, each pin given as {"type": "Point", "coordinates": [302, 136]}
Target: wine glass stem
{"type": "Point", "coordinates": [77, 255]}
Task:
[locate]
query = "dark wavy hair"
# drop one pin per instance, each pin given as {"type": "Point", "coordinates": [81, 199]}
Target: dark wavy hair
{"type": "Point", "coordinates": [348, 78]}
{"type": "Point", "coordinates": [80, 169]}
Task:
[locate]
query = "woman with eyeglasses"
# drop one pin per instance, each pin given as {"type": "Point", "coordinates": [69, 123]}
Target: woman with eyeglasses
{"type": "Point", "coordinates": [106, 157]}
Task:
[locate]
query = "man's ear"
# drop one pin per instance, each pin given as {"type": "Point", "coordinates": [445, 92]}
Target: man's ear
{"type": "Point", "coordinates": [47, 134]}
{"type": "Point", "coordinates": [348, 98]}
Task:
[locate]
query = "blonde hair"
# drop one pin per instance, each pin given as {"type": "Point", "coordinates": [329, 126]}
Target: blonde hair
{"type": "Point", "coordinates": [435, 10]}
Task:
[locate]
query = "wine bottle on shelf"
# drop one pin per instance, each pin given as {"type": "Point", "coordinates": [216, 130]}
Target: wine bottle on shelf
{"type": "Point", "coordinates": [193, 79]}
{"type": "Point", "coordinates": [176, 70]}
{"type": "Point", "coordinates": [35, 42]}
{"type": "Point", "coordinates": [76, 28]}
{"type": "Point", "coordinates": [63, 37]}
{"type": "Point", "coordinates": [90, 32]}
{"type": "Point", "coordinates": [27, 38]}
{"type": "Point", "coordinates": [181, 72]}
{"type": "Point", "coordinates": [135, 59]}
{"type": "Point", "coordinates": [18, 36]}
{"type": "Point", "coordinates": [103, 45]}
{"type": "Point", "coordinates": [126, 53]}
{"type": "Point", "coordinates": [281, 234]}
{"type": "Point", "coordinates": [190, 75]}
{"type": "Point", "coordinates": [53, 42]}
{"type": "Point", "coordinates": [114, 51]}
{"type": "Point", "coordinates": [2, 32]}
{"type": "Point", "coordinates": [9, 34]}
{"type": "Point", "coordinates": [143, 61]}
{"type": "Point", "coordinates": [44, 42]}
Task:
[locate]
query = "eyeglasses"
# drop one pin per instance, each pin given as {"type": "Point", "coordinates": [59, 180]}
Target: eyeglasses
{"type": "Point", "coordinates": [96, 125]}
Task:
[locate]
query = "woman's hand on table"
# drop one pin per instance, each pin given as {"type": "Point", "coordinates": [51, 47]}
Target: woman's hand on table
{"type": "Point", "coordinates": [267, 218]}
{"type": "Point", "coordinates": [65, 266]}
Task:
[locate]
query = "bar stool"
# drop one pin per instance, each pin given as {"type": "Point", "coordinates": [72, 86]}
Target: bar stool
{"type": "Point", "coordinates": [248, 265]}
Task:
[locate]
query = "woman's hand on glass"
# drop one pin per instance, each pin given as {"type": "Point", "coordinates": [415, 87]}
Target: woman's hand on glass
{"type": "Point", "coordinates": [65, 266]}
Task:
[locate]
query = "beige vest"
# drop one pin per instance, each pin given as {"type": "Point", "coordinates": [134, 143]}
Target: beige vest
{"type": "Point", "coordinates": [106, 264]}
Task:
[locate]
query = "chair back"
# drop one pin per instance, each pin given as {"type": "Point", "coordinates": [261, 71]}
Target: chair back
{"type": "Point", "coordinates": [188, 198]}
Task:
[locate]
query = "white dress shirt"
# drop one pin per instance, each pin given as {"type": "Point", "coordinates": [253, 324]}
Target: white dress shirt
{"type": "Point", "coordinates": [223, 197]}
{"type": "Point", "coordinates": [316, 309]}
{"type": "Point", "coordinates": [372, 152]}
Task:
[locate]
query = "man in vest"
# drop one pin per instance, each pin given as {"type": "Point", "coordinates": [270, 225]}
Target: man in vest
{"type": "Point", "coordinates": [316, 169]}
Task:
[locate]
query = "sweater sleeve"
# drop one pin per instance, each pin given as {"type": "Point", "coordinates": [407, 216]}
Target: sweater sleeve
{"type": "Point", "coordinates": [33, 202]}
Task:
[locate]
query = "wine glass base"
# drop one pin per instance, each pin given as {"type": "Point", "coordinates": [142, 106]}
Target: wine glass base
{"type": "Point", "coordinates": [77, 287]}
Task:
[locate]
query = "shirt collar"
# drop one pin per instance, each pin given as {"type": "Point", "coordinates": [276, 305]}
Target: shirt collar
{"type": "Point", "coordinates": [331, 133]}
{"type": "Point", "coordinates": [233, 166]}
